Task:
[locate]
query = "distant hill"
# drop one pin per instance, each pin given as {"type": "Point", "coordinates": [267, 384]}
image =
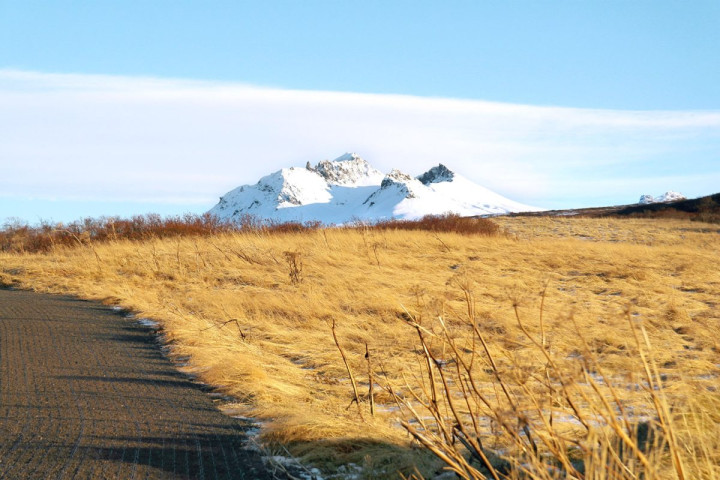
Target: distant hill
{"type": "Point", "coordinates": [703, 209]}
{"type": "Point", "coordinates": [707, 204]}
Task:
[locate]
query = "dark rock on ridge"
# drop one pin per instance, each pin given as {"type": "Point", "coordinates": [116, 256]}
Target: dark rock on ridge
{"type": "Point", "coordinates": [436, 175]}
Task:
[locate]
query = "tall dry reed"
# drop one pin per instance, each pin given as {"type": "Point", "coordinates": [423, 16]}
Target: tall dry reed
{"type": "Point", "coordinates": [242, 317]}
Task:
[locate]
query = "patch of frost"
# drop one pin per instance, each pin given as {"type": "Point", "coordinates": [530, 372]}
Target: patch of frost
{"type": "Point", "coordinates": [146, 322]}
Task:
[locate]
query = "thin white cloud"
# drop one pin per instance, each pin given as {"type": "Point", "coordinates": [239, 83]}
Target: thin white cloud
{"type": "Point", "coordinates": [125, 138]}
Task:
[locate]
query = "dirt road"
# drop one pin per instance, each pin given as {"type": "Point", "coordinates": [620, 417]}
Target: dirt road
{"type": "Point", "coordinates": [87, 393]}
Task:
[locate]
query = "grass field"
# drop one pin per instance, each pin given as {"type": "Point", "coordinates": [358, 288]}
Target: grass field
{"type": "Point", "coordinates": [558, 347]}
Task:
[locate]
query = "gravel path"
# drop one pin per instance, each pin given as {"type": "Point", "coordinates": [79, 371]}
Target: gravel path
{"type": "Point", "coordinates": [87, 393]}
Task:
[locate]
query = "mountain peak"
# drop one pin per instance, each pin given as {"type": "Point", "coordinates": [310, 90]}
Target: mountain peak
{"type": "Point", "coordinates": [395, 177]}
{"type": "Point", "coordinates": [349, 169]}
{"type": "Point", "coordinates": [349, 156]}
{"type": "Point", "coordinates": [402, 181]}
{"type": "Point", "coordinates": [646, 199]}
{"type": "Point", "coordinates": [671, 196]}
{"type": "Point", "coordinates": [437, 174]}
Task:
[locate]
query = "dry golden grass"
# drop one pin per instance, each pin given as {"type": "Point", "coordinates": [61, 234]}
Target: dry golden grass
{"type": "Point", "coordinates": [254, 313]}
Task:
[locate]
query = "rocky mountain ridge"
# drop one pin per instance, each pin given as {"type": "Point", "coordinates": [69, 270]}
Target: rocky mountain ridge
{"type": "Point", "coordinates": [349, 189]}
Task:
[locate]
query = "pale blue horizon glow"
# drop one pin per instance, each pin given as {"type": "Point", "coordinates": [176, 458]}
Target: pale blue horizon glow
{"type": "Point", "coordinates": [134, 107]}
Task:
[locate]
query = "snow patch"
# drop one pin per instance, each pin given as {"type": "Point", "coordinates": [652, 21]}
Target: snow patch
{"type": "Point", "coordinates": [669, 196]}
{"type": "Point", "coordinates": [146, 322]}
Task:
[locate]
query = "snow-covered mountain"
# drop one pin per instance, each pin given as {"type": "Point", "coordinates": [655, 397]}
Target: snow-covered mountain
{"type": "Point", "coordinates": [349, 189]}
{"type": "Point", "coordinates": [665, 197]}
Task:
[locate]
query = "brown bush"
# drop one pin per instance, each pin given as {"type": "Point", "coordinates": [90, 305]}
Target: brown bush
{"type": "Point", "coordinates": [18, 236]}
{"type": "Point", "coordinates": [443, 223]}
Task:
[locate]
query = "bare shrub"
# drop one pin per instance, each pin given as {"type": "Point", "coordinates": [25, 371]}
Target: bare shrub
{"type": "Point", "coordinates": [443, 223]}
{"type": "Point", "coordinates": [18, 236]}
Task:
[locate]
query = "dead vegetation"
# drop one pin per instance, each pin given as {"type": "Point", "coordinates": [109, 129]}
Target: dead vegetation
{"type": "Point", "coordinates": [563, 348]}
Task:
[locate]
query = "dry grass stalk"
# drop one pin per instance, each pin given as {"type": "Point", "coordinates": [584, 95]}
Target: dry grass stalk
{"type": "Point", "coordinates": [295, 266]}
{"type": "Point", "coordinates": [626, 454]}
{"type": "Point", "coordinates": [356, 396]}
{"type": "Point", "coordinates": [538, 373]}
{"type": "Point", "coordinates": [371, 380]}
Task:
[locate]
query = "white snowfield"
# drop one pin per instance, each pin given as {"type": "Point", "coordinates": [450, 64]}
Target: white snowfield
{"type": "Point", "coordinates": [665, 197]}
{"type": "Point", "coordinates": [348, 189]}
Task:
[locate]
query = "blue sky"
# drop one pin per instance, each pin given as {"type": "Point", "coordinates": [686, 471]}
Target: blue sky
{"type": "Point", "coordinates": [135, 106]}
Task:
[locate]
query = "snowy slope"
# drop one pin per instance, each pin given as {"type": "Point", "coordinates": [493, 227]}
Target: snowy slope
{"type": "Point", "coordinates": [349, 189]}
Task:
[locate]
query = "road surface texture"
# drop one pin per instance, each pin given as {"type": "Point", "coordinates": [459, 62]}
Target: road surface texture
{"type": "Point", "coordinates": [87, 393]}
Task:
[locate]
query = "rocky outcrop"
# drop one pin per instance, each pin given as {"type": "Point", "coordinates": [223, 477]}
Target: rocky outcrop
{"type": "Point", "coordinates": [349, 169]}
{"type": "Point", "coordinates": [437, 174]}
